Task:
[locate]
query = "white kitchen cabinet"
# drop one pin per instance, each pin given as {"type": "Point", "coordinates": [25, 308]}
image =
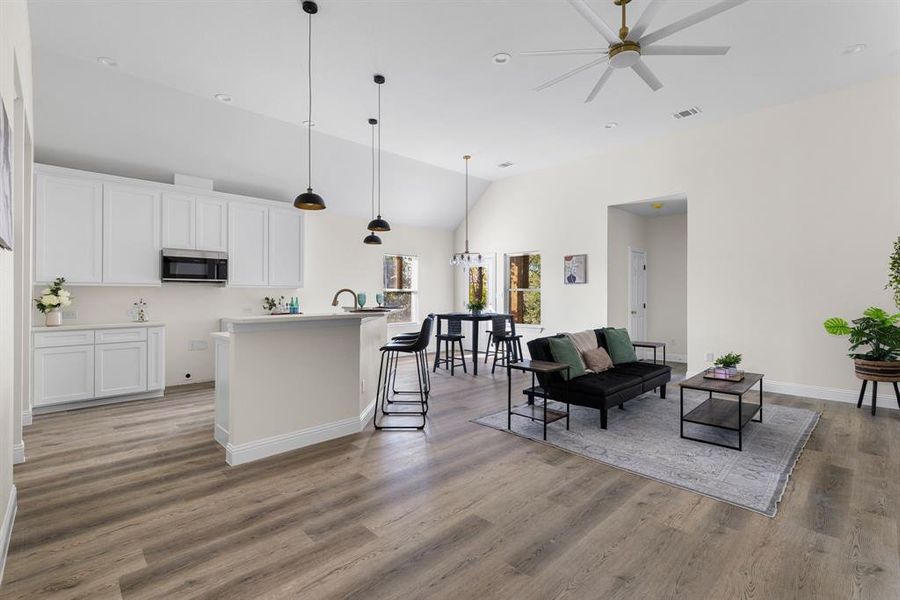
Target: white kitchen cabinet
{"type": "Point", "coordinates": [156, 358]}
{"type": "Point", "coordinates": [120, 369]}
{"type": "Point", "coordinates": [191, 222]}
{"type": "Point", "coordinates": [68, 229]}
{"type": "Point", "coordinates": [131, 235]}
{"type": "Point", "coordinates": [211, 224]}
{"type": "Point", "coordinates": [248, 244]}
{"type": "Point", "coordinates": [285, 248]}
{"type": "Point", "coordinates": [63, 374]}
{"type": "Point", "coordinates": [178, 221]}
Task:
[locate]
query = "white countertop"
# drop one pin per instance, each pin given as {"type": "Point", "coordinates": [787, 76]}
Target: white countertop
{"type": "Point", "coordinates": [303, 317]}
{"type": "Point", "coordinates": [82, 326]}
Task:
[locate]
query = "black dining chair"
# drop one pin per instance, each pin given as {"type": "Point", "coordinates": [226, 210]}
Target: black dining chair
{"type": "Point", "coordinates": [451, 339]}
{"type": "Point", "coordinates": [390, 354]}
{"type": "Point", "coordinates": [511, 342]}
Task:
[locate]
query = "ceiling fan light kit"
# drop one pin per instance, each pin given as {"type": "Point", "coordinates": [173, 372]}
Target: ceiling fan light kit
{"type": "Point", "coordinates": [626, 47]}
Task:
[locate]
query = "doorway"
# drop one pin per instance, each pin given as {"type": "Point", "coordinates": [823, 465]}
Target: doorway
{"type": "Point", "coordinates": [637, 294]}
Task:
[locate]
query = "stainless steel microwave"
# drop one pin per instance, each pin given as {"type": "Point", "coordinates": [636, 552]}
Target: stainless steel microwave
{"type": "Point", "coordinates": [199, 266]}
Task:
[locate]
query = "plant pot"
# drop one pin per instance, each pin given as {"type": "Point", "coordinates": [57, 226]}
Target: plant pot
{"type": "Point", "coordinates": [877, 370]}
{"type": "Point", "coordinates": [53, 318]}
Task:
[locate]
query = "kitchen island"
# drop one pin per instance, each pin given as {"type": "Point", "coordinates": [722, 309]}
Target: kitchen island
{"type": "Point", "coordinates": [287, 381]}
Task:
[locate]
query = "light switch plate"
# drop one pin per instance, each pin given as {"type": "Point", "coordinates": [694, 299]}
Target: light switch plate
{"type": "Point", "coordinates": [198, 345]}
{"type": "Point", "coordinates": [70, 315]}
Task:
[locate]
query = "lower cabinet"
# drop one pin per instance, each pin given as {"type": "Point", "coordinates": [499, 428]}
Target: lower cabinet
{"type": "Point", "coordinates": [119, 361]}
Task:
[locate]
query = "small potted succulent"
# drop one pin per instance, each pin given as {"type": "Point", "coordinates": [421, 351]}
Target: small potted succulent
{"type": "Point", "coordinates": [476, 306]}
{"type": "Point", "coordinates": [53, 299]}
{"type": "Point", "coordinates": [877, 331]}
{"type": "Point", "coordinates": [726, 365]}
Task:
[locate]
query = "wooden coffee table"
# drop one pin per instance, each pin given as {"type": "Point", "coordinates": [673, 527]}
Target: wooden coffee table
{"type": "Point", "coordinates": [722, 413]}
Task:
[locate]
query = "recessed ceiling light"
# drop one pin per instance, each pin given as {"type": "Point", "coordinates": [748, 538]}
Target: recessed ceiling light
{"type": "Point", "coordinates": [855, 49]}
{"type": "Point", "coordinates": [611, 125]}
{"type": "Point", "coordinates": [223, 98]}
{"type": "Point", "coordinates": [505, 165]}
{"type": "Point", "coordinates": [657, 205]}
{"type": "Point", "coordinates": [309, 123]}
{"type": "Point", "coordinates": [501, 58]}
{"type": "Point", "coordinates": [107, 61]}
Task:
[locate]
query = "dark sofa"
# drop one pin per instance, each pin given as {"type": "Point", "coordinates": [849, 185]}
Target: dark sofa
{"type": "Point", "coordinates": [602, 390]}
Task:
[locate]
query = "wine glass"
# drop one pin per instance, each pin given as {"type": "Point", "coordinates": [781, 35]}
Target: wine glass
{"type": "Point", "coordinates": [379, 298]}
{"type": "Point", "coordinates": [361, 298]}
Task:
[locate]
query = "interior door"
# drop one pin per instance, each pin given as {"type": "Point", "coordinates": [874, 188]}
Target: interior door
{"type": "Point", "coordinates": [637, 295]}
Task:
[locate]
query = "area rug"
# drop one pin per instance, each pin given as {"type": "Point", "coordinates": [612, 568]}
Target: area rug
{"type": "Point", "coordinates": [644, 439]}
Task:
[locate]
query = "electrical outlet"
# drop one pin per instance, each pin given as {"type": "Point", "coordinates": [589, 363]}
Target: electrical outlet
{"type": "Point", "coordinates": [362, 386]}
{"type": "Point", "coordinates": [198, 345]}
{"type": "Point", "coordinates": [69, 315]}
{"type": "Point", "coordinates": [710, 357]}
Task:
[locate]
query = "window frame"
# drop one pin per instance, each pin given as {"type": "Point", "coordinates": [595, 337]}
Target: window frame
{"type": "Point", "coordinates": [507, 288]}
{"type": "Point", "coordinates": [412, 291]}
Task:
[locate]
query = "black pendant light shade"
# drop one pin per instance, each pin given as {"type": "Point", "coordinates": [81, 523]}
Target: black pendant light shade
{"type": "Point", "coordinates": [372, 239]}
{"type": "Point", "coordinates": [309, 200]}
{"type": "Point", "coordinates": [377, 223]}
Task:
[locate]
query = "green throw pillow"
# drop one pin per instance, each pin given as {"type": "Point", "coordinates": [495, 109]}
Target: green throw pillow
{"type": "Point", "coordinates": [618, 344]}
{"type": "Point", "coordinates": [564, 351]}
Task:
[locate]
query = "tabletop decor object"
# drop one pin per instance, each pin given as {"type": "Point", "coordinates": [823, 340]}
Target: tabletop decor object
{"type": "Point", "coordinates": [139, 311]}
{"type": "Point", "coordinates": [53, 299]}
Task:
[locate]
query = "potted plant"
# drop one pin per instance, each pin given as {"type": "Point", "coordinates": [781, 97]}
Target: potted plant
{"type": "Point", "coordinates": [273, 305]}
{"type": "Point", "coordinates": [878, 331]}
{"type": "Point", "coordinates": [727, 364]}
{"type": "Point", "coordinates": [53, 299]}
{"type": "Point", "coordinates": [476, 306]}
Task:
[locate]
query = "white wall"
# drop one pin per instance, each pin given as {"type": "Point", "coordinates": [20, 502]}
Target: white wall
{"type": "Point", "coordinates": [625, 230]}
{"type": "Point", "coordinates": [667, 283]}
{"type": "Point", "coordinates": [15, 56]}
{"type": "Point", "coordinates": [793, 211]}
{"type": "Point", "coordinates": [335, 258]}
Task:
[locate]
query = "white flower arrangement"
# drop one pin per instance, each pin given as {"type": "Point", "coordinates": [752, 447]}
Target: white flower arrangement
{"type": "Point", "coordinates": [54, 297]}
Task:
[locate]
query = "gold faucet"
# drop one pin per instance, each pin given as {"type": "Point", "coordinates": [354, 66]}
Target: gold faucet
{"type": "Point", "coordinates": [334, 301]}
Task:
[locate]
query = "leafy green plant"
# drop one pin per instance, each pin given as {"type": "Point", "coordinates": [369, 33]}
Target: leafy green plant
{"type": "Point", "coordinates": [728, 361]}
{"type": "Point", "coordinates": [894, 273]}
{"type": "Point", "coordinates": [272, 303]}
{"type": "Point", "coordinates": [54, 297]}
{"type": "Point", "coordinates": [476, 305]}
{"type": "Point", "coordinates": [876, 329]}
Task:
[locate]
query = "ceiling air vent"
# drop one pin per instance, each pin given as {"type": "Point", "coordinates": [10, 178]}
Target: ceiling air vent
{"type": "Point", "coordinates": [504, 165]}
{"type": "Point", "coordinates": [688, 112]}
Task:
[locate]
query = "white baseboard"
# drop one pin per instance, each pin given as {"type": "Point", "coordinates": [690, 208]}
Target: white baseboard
{"type": "Point", "coordinates": [221, 435]}
{"type": "Point", "coordinates": [26, 417]}
{"type": "Point", "coordinates": [366, 415]}
{"type": "Point", "coordinates": [19, 453]}
{"type": "Point", "coordinates": [43, 410]}
{"type": "Point", "coordinates": [238, 454]}
{"type": "Point", "coordinates": [6, 528]}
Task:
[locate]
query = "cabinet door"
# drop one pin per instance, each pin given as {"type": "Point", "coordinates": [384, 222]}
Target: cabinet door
{"type": "Point", "coordinates": [120, 369]}
{"type": "Point", "coordinates": [68, 229]}
{"type": "Point", "coordinates": [131, 235]}
{"type": "Point", "coordinates": [63, 374]}
{"type": "Point", "coordinates": [178, 221]}
{"type": "Point", "coordinates": [212, 225]}
{"type": "Point", "coordinates": [248, 249]}
{"type": "Point", "coordinates": [285, 248]}
{"type": "Point", "coordinates": [156, 358]}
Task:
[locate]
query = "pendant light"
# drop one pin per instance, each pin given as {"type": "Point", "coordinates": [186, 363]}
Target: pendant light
{"type": "Point", "coordinates": [467, 259]}
{"type": "Point", "coordinates": [309, 200]}
{"type": "Point", "coordinates": [377, 223]}
{"type": "Point", "coordinates": [372, 238]}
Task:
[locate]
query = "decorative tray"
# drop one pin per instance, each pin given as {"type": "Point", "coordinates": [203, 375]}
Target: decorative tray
{"type": "Point", "coordinates": [723, 374]}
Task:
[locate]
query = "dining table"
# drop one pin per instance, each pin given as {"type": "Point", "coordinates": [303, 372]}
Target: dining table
{"type": "Point", "coordinates": [473, 318]}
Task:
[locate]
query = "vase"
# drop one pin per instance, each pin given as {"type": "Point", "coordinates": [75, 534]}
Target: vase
{"type": "Point", "coordinates": [53, 318]}
{"type": "Point", "coordinates": [877, 370]}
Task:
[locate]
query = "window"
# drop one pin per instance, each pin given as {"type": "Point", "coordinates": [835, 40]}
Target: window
{"type": "Point", "coordinates": [401, 284]}
{"type": "Point", "coordinates": [523, 288]}
{"type": "Point", "coordinates": [479, 284]}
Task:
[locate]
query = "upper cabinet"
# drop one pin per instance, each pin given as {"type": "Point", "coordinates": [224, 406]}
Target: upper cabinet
{"type": "Point", "coordinates": [131, 241]}
{"type": "Point", "coordinates": [97, 229]}
{"type": "Point", "coordinates": [194, 222]}
{"type": "Point", "coordinates": [68, 230]}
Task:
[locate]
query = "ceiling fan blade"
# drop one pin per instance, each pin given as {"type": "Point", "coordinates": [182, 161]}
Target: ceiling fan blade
{"type": "Point", "coordinates": [644, 21]}
{"type": "Point", "coordinates": [689, 21]}
{"type": "Point", "coordinates": [575, 71]}
{"type": "Point", "coordinates": [599, 85]}
{"type": "Point", "coordinates": [591, 17]}
{"type": "Point", "coordinates": [565, 52]}
{"type": "Point", "coordinates": [644, 72]}
{"type": "Point", "coordinates": [685, 50]}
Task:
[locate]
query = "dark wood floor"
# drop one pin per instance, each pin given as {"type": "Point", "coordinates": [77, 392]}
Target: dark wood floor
{"type": "Point", "coordinates": [135, 501]}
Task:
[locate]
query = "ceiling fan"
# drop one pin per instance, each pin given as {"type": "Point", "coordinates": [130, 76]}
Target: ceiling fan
{"type": "Point", "coordinates": [628, 46]}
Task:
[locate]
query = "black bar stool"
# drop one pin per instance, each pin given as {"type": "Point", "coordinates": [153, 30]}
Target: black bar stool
{"type": "Point", "coordinates": [512, 343]}
{"type": "Point", "coordinates": [390, 353]}
{"type": "Point", "coordinates": [409, 338]}
{"type": "Point", "coordinates": [490, 339]}
{"type": "Point", "coordinates": [453, 337]}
